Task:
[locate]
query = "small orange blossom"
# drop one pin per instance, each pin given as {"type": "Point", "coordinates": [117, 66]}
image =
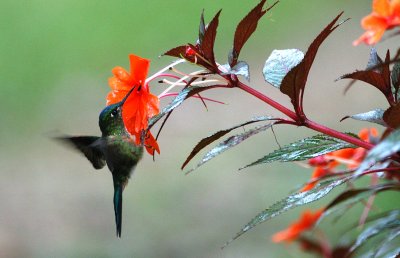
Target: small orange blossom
{"type": "Point", "coordinates": [385, 16]}
{"type": "Point", "coordinates": [306, 222]}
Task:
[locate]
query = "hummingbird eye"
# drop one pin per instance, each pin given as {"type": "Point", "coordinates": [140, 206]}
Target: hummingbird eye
{"type": "Point", "coordinates": [114, 112]}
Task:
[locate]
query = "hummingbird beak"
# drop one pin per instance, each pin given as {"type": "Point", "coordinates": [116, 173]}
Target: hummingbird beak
{"type": "Point", "coordinates": [126, 97]}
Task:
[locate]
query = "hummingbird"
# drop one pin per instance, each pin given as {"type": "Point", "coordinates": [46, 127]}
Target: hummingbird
{"type": "Point", "coordinates": [115, 147]}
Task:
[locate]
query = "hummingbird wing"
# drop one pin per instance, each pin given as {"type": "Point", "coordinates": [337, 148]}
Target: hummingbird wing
{"type": "Point", "coordinates": [89, 146]}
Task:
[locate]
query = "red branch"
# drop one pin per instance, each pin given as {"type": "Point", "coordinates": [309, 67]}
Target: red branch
{"type": "Point", "coordinates": [306, 122]}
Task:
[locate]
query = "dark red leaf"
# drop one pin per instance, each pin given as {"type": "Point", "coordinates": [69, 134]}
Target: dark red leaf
{"type": "Point", "coordinates": [182, 52]}
{"type": "Point", "coordinates": [392, 116]}
{"type": "Point", "coordinates": [377, 76]}
{"type": "Point", "coordinates": [179, 51]}
{"type": "Point", "coordinates": [386, 74]}
{"type": "Point", "coordinates": [311, 246]}
{"type": "Point", "coordinates": [371, 77]}
{"type": "Point", "coordinates": [198, 57]}
{"type": "Point", "coordinates": [374, 64]}
{"type": "Point", "coordinates": [202, 27]}
{"type": "Point", "coordinates": [345, 196]}
{"type": "Point", "coordinates": [294, 82]}
{"type": "Point", "coordinates": [356, 192]}
{"type": "Point", "coordinates": [395, 75]}
{"type": "Point", "coordinates": [245, 28]}
{"type": "Point", "coordinates": [342, 252]}
{"type": "Point", "coordinates": [207, 44]}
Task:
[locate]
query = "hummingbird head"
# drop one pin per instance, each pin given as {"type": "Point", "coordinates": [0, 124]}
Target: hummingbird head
{"type": "Point", "coordinates": [110, 119]}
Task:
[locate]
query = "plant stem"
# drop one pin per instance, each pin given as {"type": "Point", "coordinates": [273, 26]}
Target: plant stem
{"type": "Point", "coordinates": [342, 136]}
{"type": "Point", "coordinates": [268, 100]}
{"type": "Point", "coordinates": [307, 123]}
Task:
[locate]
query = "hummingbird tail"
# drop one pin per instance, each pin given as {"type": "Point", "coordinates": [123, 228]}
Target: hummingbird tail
{"type": "Point", "coordinates": [118, 208]}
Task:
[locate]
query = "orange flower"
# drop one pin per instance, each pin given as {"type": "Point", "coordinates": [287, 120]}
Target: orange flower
{"type": "Point", "coordinates": [140, 104]}
{"type": "Point", "coordinates": [318, 172]}
{"type": "Point", "coordinates": [150, 143]}
{"type": "Point", "coordinates": [325, 164]}
{"type": "Point", "coordinates": [385, 16]}
{"type": "Point", "coordinates": [306, 222]}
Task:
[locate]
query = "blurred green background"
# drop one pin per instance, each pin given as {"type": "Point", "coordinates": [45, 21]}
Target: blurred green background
{"type": "Point", "coordinates": [55, 59]}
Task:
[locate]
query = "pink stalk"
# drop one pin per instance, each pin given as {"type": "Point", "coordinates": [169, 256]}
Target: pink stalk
{"type": "Point", "coordinates": [331, 132]}
{"type": "Point", "coordinates": [307, 123]}
{"type": "Point", "coordinates": [166, 75]}
{"type": "Point", "coordinates": [325, 245]}
{"type": "Point", "coordinates": [197, 97]}
{"type": "Point", "coordinates": [269, 101]}
{"type": "Point", "coordinates": [368, 206]}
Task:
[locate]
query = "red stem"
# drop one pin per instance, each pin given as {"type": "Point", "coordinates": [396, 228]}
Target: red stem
{"type": "Point", "coordinates": [342, 136]}
{"type": "Point", "coordinates": [307, 123]}
{"type": "Point", "coordinates": [267, 100]}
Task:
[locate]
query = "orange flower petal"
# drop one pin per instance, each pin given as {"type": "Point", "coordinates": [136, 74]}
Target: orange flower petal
{"type": "Point", "coordinates": [385, 16]}
{"type": "Point", "coordinates": [369, 37]}
{"type": "Point", "coordinates": [318, 161]}
{"type": "Point", "coordinates": [306, 221]}
{"type": "Point", "coordinates": [374, 132]}
{"type": "Point", "coordinates": [139, 69]}
{"type": "Point", "coordinates": [318, 172]}
{"type": "Point", "coordinates": [366, 133]}
{"type": "Point", "coordinates": [153, 104]}
{"type": "Point", "coordinates": [115, 96]}
{"type": "Point", "coordinates": [151, 144]}
{"type": "Point", "coordinates": [381, 7]}
{"type": "Point", "coordinates": [395, 8]}
{"type": "Point", "coordinates": [343, 153]}
{"type": "Point", "coordinates": [373, 22]}
{"type": "Point", "coordinates": [284, 235]}
{"type": "Point", "coordinates": [308, 187]}
{"type": "Point", "coordinates": [117, 84]}
{"type": "Point", "coordinates": [129, 112]}
{"type": "Point", "coordinates": [121, 74]}
{"type": "Point", "coordinates": [138, 108]}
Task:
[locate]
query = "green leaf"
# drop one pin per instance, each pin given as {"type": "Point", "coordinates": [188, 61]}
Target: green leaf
{"type": "Point", "coordinates": [305, 149]}
{"type": "Point", "coordinates": [388, 247]}
{"type": "Point", "coordinates": [279, 63]}
{"type": "Point", "coordinates": [386, 148]}
{"type": "Point", "coordinates": [229, 143]}
{"type": "Point", "coordinates": [212, 138]}
{"type": "Point", "coordinates": [373, 116]}
{"type": "Point", "coordinates": [392, 220]}
{"type": "Point", "coordinates": [292, 201]}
